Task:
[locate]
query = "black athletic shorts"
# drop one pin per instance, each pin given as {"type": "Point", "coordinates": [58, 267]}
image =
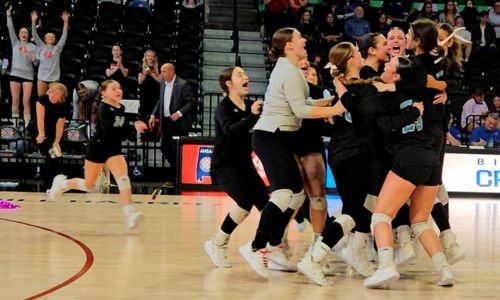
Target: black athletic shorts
{"type": "Point", "coordinates": [308, 142]}
{"type": "Point", "coordinates": [19, 79]}
{"type": "Point", "coordinates": [419, 175]}
{"type": "Point", "coordinates": [99, 152]}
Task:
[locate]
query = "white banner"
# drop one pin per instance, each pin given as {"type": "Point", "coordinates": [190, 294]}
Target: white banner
{"type": "Point", "coordinates": [474, 173]}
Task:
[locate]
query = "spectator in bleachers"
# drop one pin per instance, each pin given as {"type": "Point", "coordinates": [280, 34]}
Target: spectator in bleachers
{"type": "Point", "coordinates": [382, 26]}
{"type": "Point", "coordinates": [174, 109]}
{"type": "Point", "coordinates": [296, 9]}
{"type": "Point", "coordinates": [373, 48]}
{"type": "Point", "coordinates": [331, 34]}
{"type": "Point", "coordinates": [494, 19]}
{"type": "Point", "coordinates": [192, 4]}
{"type": "Point", "coordinates": [470, 14]}
{"type": "Point", "coordinates": [339, 8]}
{"type": "Point", "coordinates": [50, 118]}
{"type": "Point", "coordinates": [117, 69]}
{"type": "Point", "coordinates": [86, 97]}
{"type": "Point", "coordinates": [427, 11]}
{"type": "Point", "coordinates": [425, 6]}
{"type": "Point", "coordinates": [488, 134]}
{"type": "Point", "coordinates": [474, 106]}
{"type": "Point", "coordinates": [49, 53]}
{"type": "Point", "coordinates": [356, 26]}
{"type": "Point", "coordinates": [22, 73]}
{"type": "Point", "coordinates": [396, 11]}
{"type": "Point", "coordinates": [495, 105]}
{"type": "Point", "coordinates": [449, 13]}
{"type": "Point", "coordinates": [483, 39]}
{"type": "Point", "coordinates": [143, 4]}
{"type": "Point", "coordinates": [308, 30]}
{"type": "Point", "coordinates": [465, 34]}
{"type": "Point", "coordinates": [149, 81]}
{"type": "Point", "coordinates": [453, 136]}
{"type": "Point", "coordinates": [274, 15]}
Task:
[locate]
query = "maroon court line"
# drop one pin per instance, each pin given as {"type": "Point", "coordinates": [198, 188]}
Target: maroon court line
{"type": "Point", "coordinates": [88, 263]}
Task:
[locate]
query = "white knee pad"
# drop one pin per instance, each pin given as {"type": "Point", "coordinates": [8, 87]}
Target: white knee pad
{"type": "Point", "coordinates": [380, 218]}
{"type": "Point", "coordinates": [419, 228]}
{"type": "Point", "coordinates": [297, 200]}
{"type": "Point", "coordinates": [346, 222]}
{"type": "Point", "coordinates": [281, 198]}
{"type": "Point", "coordinates": [318, 203]}
{"type": "Point", "coordinates": [443, 195]}
{"type": "Point", "coordinates": [238, 214]}
{"type": "Point", "coordinates": [370, 202]}
{"type": "Point", "coordinates": [82, 185]}
{"type": "Point", "coordinates": [123, 183]}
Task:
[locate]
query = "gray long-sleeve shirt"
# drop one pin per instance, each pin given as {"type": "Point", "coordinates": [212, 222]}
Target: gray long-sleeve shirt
{"type": "Point", "coordinates": [49, 69]}
{"type": "Point", "coordinates": [285, 100]}
{"type": "Point", "coordinates": [22, 61]}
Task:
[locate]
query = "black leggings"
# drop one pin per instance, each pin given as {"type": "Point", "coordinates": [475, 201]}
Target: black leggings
{"type": "Point", "coordinates": [244, 185]}
{"type": "Point", "coordinates": [352, 177]}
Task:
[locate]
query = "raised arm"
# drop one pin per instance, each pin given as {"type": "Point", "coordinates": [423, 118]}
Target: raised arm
{"type": "Point", "coordinates": [10, 26]}
{"type": "Point", "coordinates": [64, 36]}
{"type": "Point", "coordinates": [38, 41]}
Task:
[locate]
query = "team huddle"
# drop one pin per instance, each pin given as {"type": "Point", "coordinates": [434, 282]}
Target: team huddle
{"type": "Point", "coordinates": [387, 134]}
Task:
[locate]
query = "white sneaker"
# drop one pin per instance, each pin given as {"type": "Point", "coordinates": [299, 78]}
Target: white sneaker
{"type": "Point", "coordinates": [404, 254]}
{"type": "Point", "coordinates": [454, 254]}
{"type": "Point", "coordinates": [357, 260]}
{"type": "Point", "coordinates": [328, 269]}
{"type": "Point", "coordinates": [371, 254]}
{"type": "Point", "coordinates": [217, 254]}
{"type": "Point", "coordinates": [132, 219]}
{"type": "Point", "coordinates": [57, 190]}
{"type": "Point", "coordinates": [313, 271]}
{"type": "Point", "coordinates": [257, 260]}
{"type": "Point", "coordinates": [382, 277]}
{"type": "Point", "coordinates": [452, 250]}
{"type": "Point", "coordinates": [445, 277]}
{"type": "Point", "coordinates": [279, 260]}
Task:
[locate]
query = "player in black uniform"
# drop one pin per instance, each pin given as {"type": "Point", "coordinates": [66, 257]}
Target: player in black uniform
{"type": "Point", "coordinates": [232, 168]}
{"type": "Point", "coordinates": [311, 152]}
{"type": "Point", "coordinates": [48, 128]}
{"type": "Point", "coordinates": [373, 47]}
{"type": "Point", "coordinates": [104, 149]}
{"type": "Point", "coordinates": [348, 157]}
{"type": "Point", "coordinates": [416, 172]}
{"type": "Point", "coordinates": [449, 80]}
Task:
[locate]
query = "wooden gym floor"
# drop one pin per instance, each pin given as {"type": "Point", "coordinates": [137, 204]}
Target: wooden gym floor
{"type": "Point", "coordinates": [79, 248]}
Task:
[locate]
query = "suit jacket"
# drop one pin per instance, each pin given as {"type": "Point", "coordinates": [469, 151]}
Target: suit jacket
{"type": "Point", "coordinates": [489, 35]}
{"type": "Point", "coordinates": [182, 100]}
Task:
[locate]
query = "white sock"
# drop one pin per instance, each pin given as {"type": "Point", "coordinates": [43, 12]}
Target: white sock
{"type": "Point", "coordinates": [128, 209]}
{"type": "Point", "coordinates": [27, 119]}
{"type": "Point", "coordinates": [221, 238]}
{"type": "Point", "coordinates": [439, 261]}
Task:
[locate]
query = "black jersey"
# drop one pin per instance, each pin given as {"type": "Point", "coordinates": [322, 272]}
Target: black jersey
{"type": "Point", "coordinates": [368, 72]}
{"type": "Point", "coordinates": [314, 126]}
{"type": "Point", "coordinates": [233, 136]}
{"type": "Point", "coordinates": [348, 133]}
{"type": "Point", "coordinates": [111, 127]}
{"type": "Point", "coordinates": [394, 114]}
{"type": "Point", "coordinates": [53, 112]}
{"type": "Point", "coordinates": [434, 115]}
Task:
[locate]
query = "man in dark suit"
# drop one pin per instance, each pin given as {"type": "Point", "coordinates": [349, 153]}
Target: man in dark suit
{"type": "Point", "coordinates": [174, 109]}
